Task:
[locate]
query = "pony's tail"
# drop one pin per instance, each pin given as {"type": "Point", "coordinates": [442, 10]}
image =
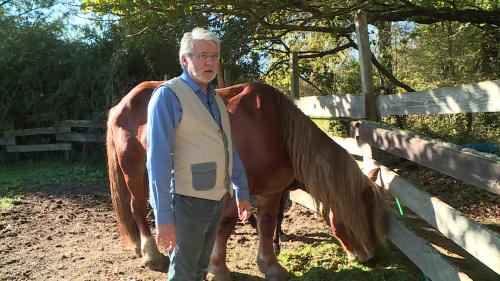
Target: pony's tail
{"type": "Point", "coordinates": [120, 195]}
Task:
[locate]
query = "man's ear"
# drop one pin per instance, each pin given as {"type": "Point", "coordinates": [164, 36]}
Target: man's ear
{"type": "Point", "coordinates": [184, 60]}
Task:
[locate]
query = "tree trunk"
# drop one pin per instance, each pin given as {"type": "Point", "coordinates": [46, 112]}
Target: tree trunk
{"type": "Point", "coordinates": [490, 40]}
{"type": "Point", "coordinates": [385, 56]}
{"type": "Point", "coordinates": [450, 66]}
{"type": "Point", "coordinates": [387, 60]}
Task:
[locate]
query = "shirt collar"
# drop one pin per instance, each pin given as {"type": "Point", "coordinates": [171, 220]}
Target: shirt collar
{"type": "Point", "coordinates": [194, 86]}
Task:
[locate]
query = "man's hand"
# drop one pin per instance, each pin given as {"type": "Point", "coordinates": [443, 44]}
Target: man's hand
{"type": "Point", "coordinates": [165, 236]}
{"type": "Point", "coordinates": [244, 210]}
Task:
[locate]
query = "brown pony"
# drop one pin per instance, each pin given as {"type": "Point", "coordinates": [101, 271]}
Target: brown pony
{"type": "Point", "coordinates": [278, 144]}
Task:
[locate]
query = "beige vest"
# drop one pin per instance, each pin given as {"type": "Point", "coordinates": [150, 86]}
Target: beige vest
{"type": "Point", "coordinates": [202, 155]}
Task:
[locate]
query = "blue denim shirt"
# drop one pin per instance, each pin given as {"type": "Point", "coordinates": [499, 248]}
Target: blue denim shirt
{"type": "Point", "coordinates": [164, 115]}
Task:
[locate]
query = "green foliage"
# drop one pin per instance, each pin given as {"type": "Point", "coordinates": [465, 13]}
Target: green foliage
{"type": "Point", "coordinates": [34, 54]}
{"type": "Point", "coordinates": [445, 54]}
{"type": "Point", "coordinates": [348, 81]}
{"type": "Point", "coordinates": [340, 127]}
{"type": "Point", "coordinates": [44, 70]}
{"type": "Point", "coordinates": [330, 74]}
{"type": "Point", "coordinates": [455, 128]}
{"type": "Point", "coordinates": [237, 53]}
{"type": "Point", "coordinates": [42, 74]}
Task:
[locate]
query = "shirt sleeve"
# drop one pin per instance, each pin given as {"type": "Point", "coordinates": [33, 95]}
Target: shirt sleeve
{"type": "Point", "coordinates": [164, 113]}
{"type": "Point", "coordinates": [239, 177]}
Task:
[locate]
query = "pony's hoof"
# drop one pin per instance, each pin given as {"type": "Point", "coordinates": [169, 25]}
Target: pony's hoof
{"type": "Point", "coordinates": [137, 250]}
{"type": "Point", "coordinates": [276, 274]}
{"type": "Point", "coordinates": [218, 274]}
{"type": "Point", "coordinates": [159, 263]}
{"type": "Point", "coordinates": [277, 249]}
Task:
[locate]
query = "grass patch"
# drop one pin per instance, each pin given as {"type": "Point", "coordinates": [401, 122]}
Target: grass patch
{"type": "Point", "coordinates": [327, 261]}
{"type": "Point", "coordinates": [334, 126]}
{"type": "Point", "coordinates": [19, 178]}
{"type": "Point", "coordinates": [7, 202]}
{"type": "Point", "coordinates": [323, 124]}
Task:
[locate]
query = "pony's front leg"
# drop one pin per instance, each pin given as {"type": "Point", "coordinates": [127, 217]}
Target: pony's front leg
{"type": "Point", "coordinates": [267, 210]}
{"type": "Point", "coordinates": [217, 264]}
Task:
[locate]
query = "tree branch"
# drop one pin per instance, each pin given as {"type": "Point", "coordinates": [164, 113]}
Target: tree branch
{"type": "Point", "coordinates": [325, 53]}
{"type": "Point", "coordinates": [312, 85]}
{"type": "Point", "coordinates": [428, 16]}
{"type": "Point", "coordinates": [384, 71]}
{"type": "Point", "coordinates": [274, 66]}
{"type": "Point", "coordinates": [389, 75]}
{"type": "Point", "coordinates": [5, 2]}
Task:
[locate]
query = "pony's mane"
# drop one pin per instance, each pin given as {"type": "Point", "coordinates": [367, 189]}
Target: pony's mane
{"type": "Point", "coordinates": [330, 174]}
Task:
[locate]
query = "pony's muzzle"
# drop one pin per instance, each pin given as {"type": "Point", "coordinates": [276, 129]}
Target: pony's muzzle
{"type": "Point", "coordinates": [359, 258]}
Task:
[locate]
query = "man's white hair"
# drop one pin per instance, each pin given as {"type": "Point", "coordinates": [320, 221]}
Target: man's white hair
{"type": "Point", "coordinates": [197, 33]}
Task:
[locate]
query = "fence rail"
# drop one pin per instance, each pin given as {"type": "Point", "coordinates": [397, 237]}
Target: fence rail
{"type": "Point", "coordinates": [479, 97]}
{"type": "Point", "coordinates": [480, 242]}
{"type": "Point", "coordinates": [39, 147]}
{"type": "Point", "coordinates": [62, 132]}
{"type": "Point", "coordinates": [475, 169]}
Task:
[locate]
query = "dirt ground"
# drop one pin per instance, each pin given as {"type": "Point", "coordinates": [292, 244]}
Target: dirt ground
{"type": "Point", "coordinates": [68, 232]}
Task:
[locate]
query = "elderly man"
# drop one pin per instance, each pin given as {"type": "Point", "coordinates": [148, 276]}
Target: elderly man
{"type": "Point", "coordinates": [191, 160]}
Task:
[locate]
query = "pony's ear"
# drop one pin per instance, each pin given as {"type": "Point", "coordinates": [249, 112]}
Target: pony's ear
{"type": "Point", "coordinates": [372, 175]}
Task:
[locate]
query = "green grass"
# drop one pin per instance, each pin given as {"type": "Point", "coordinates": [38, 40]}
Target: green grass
{"type": "Point", "coordinates": [334, 126]}
{"type": "Point", "coordinates": [323, 124]}
{"type": "Point", "coordinates": [326, 261]}
{"type": "Point", "coordinates": [7, 202]}
{"type": "Point", "coordinates": [19, 178]}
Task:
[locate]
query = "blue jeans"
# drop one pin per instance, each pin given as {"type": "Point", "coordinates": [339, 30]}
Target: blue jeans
{"type": "Point", "coordinates": [196, 223]}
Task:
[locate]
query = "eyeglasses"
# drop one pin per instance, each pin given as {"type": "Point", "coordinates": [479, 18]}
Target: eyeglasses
{"type": "Point", "coordinates": [204, 56]}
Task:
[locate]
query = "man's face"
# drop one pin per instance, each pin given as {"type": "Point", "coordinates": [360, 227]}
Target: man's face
{"type": "Point", "coordinates": [202, 64]}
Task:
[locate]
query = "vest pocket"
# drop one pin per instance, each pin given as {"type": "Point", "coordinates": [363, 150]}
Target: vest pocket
{"type": "Point", "coordinates": [204, 175]}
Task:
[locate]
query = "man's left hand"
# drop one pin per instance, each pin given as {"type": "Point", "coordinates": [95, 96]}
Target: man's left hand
{"type": "Point", "coordinates": [244, 210]}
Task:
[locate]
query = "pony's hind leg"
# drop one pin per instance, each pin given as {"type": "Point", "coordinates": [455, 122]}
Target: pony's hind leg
{"type": "Point", "coordinates": [281, 213]}
{"type": "Point", "coordinates": [135, 179]}
{"type": "Point", "coordinates": [267, 210]}
{"type": "Point", "coordinates": [218, 265]}
{"type": "Point", "coordinates": [151, 257]}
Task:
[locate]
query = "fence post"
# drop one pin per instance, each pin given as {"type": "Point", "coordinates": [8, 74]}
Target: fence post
{"type": "Point", "coordinates": [220, 77]}
{"type": "Point", "coordinates": [365, 65]}
{"type": "Point", "coordinates": [227, 77]}
{"type": "Point", "coordinates": [367, 88]}
{"type": "Point", "coordinates": [294, 76]}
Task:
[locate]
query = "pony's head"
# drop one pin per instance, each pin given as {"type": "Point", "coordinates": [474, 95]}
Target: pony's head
{"type": "Point", "coordinates": [361, 228]}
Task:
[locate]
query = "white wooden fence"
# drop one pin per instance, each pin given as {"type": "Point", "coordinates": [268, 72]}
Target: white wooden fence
{"type": "Point", "coordinates": [476, 169]}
